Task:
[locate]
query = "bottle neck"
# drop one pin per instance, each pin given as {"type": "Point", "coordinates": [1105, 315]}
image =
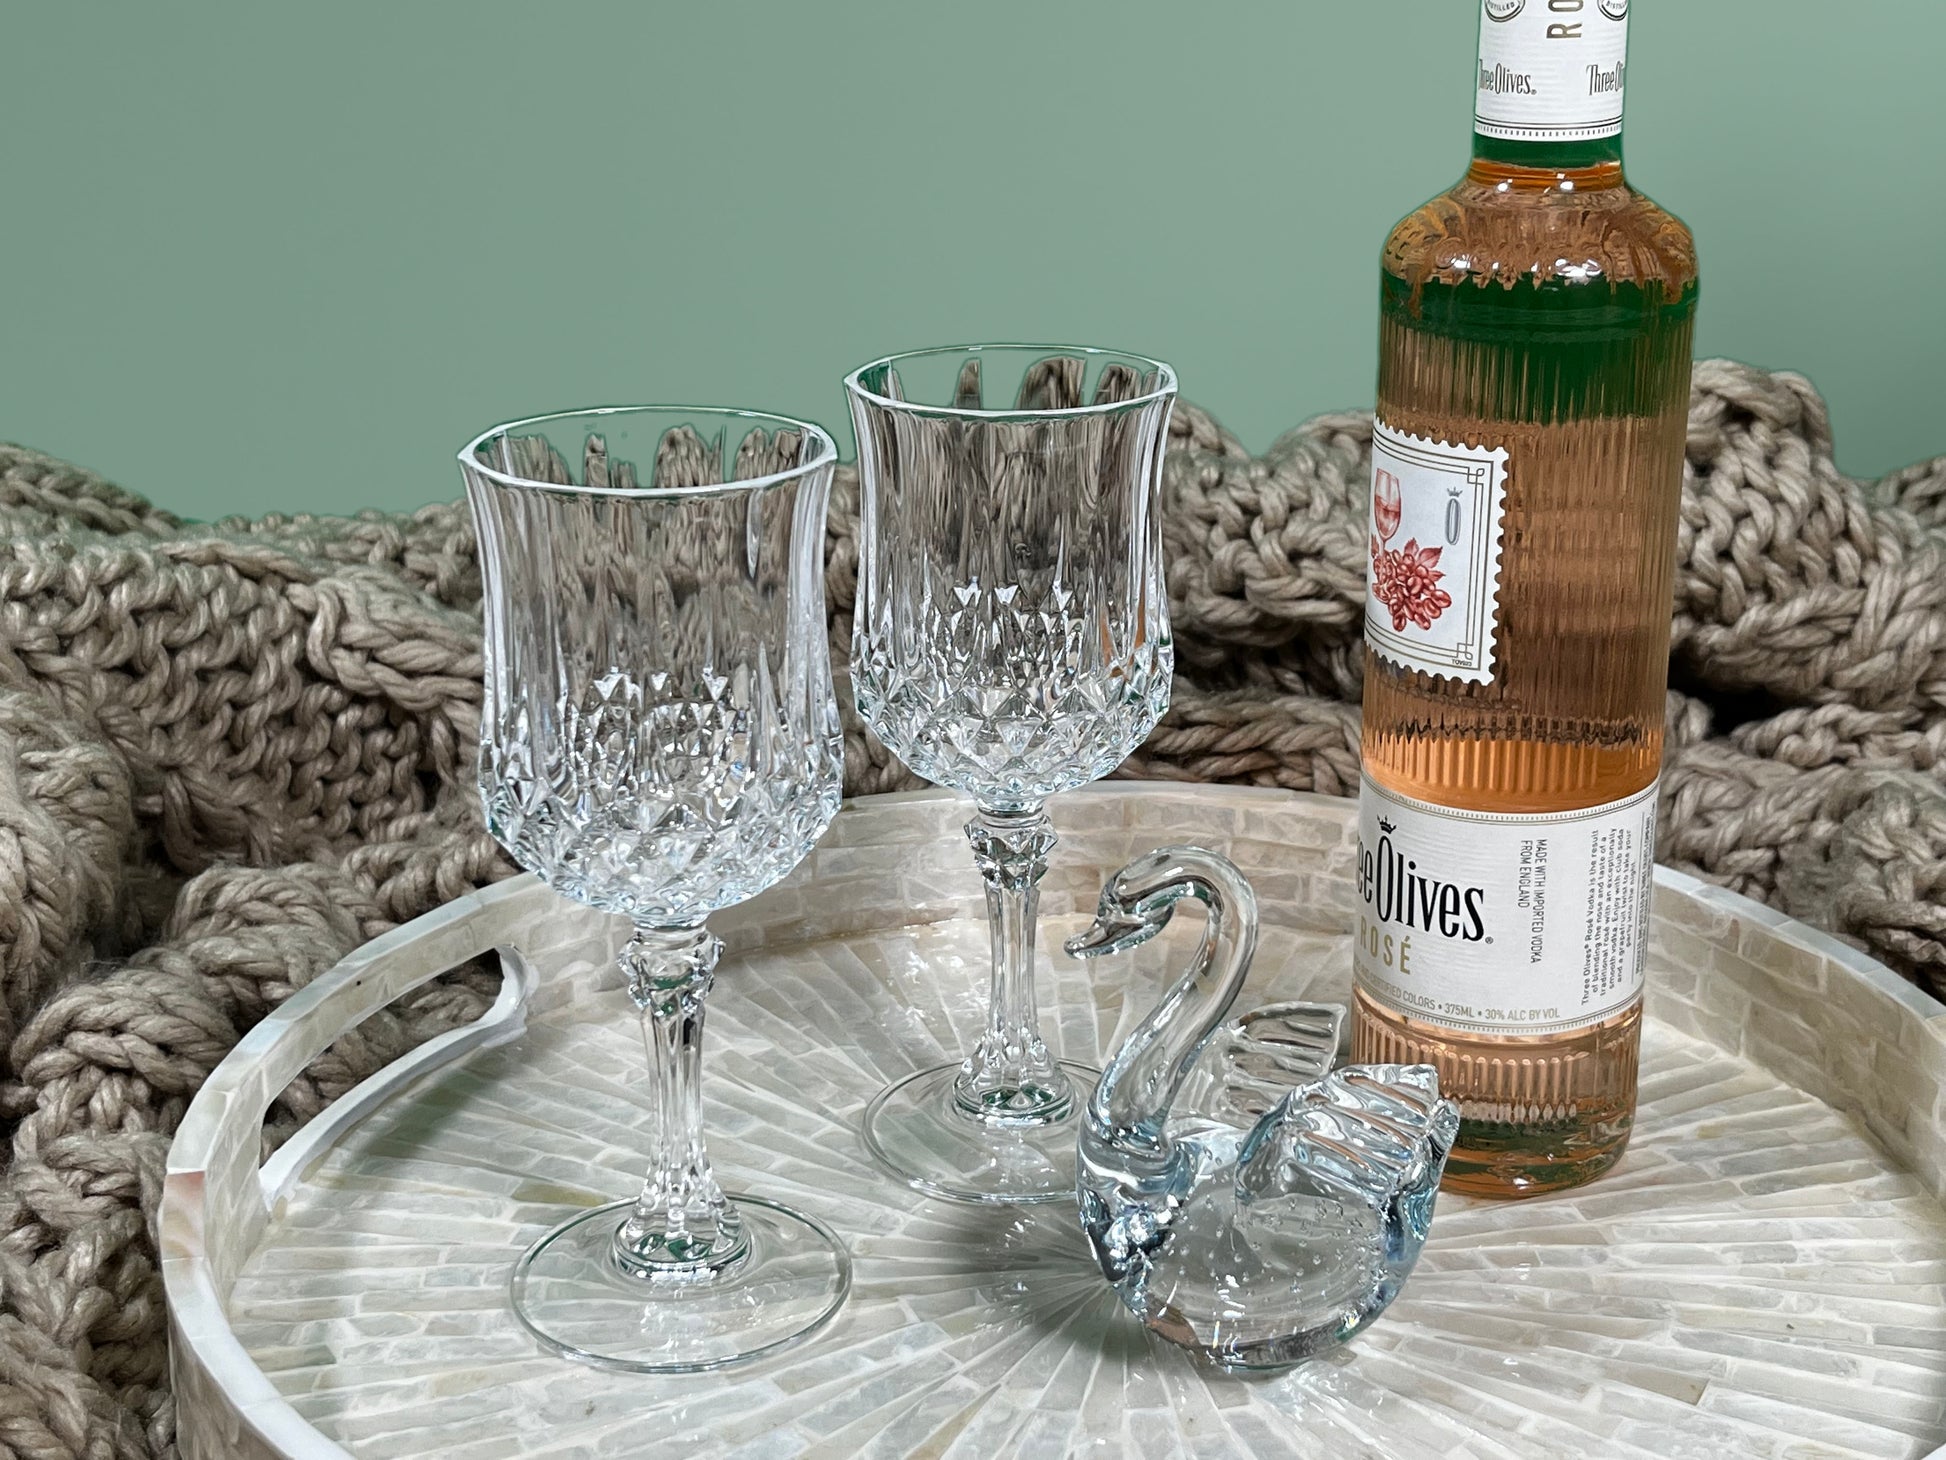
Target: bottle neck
{"type": "Point", "coordinates": [1549, 89]}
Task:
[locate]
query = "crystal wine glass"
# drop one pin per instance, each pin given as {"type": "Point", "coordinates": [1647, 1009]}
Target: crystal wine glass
{"type": "Point", "coordinates": [660, 740]}
{"type": "Point", "coordinates": [1011, 642]}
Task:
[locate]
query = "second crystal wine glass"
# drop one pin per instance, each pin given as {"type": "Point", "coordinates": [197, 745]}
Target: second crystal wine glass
{"type": "Point", "coordinates": [660, 740]}
{"type": "Point", "coordinates": [1012, 642]}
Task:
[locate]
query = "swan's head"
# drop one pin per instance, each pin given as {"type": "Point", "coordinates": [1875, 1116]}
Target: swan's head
{"type": "Point", "coordinates": [1138, 901]}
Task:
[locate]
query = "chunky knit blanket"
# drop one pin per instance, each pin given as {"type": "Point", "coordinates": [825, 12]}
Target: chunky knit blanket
{"type": "Point", "coordinates": [229, 754]}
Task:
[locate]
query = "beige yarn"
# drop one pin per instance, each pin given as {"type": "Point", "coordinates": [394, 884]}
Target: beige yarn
{"type": "Point", "coordinates": [229, 754]}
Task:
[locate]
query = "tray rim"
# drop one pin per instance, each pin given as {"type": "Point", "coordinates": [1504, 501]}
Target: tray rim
{"type": "Point", "coordinates": [204, 1350]}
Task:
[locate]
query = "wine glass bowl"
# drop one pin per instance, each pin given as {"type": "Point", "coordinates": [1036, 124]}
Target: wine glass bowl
{"type": "Point", "coordinates": [1012, 636]}
{"type": "Point", "coordinates": [660, 740]}
{"type": "Point", "coordinates": [1011, 641]}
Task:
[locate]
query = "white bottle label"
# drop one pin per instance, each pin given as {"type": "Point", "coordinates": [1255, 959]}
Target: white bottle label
{"type": "Point", "coordinates": [1551, 70]}
{"type": "Point", "coordinates": [1503, 924]}
{"type": "Point", "coordinates": [1437, 518]}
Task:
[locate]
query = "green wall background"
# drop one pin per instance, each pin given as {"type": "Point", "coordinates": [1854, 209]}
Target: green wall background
{"type": "Point", "coordinates": [283, 257]}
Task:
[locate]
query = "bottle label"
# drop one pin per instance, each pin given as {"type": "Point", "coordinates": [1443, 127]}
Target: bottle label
{"type": "Point", "coordinates": [1551, 70]}
{"type": "Point", "coordinates": [1503, 924]}
{"type": "Point", "coordinates": [1436, 525]}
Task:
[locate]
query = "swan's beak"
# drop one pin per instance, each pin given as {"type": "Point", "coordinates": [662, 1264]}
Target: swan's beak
{"type": "Point", "coordinates": [1114, 931]}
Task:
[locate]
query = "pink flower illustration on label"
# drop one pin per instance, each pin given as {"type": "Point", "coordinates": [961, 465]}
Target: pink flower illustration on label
{"type": "Point", "coordinates": [1406, 580]}
{"type": "Point", "coordinates": [1388, 504]}
{"type": "Point", "coordinates": [1431, 608]}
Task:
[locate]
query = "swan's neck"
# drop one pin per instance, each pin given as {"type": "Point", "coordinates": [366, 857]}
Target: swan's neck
{"type": "Point", "coordinates": [1130, 1107]}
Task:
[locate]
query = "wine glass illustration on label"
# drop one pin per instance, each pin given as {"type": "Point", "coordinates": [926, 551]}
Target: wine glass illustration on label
{"type": "Point", "coordinates": [1011, 642]}
{"type": "Point", "coordinates": [660, 739]}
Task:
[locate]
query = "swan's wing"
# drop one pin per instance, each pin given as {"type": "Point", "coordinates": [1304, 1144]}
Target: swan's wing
{"type": "Point", "coordinates": [1251, 1063]}
{"type": "Point", "coordinates": [1376, 1134]}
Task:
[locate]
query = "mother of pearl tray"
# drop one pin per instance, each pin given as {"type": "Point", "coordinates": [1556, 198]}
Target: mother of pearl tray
{"type": "Point", "coordinates": [1764, 1274]}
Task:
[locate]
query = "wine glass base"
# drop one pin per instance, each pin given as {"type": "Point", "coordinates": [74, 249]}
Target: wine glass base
{"type": "Point", "coordinates": [915, 1131]}
{"type": "Point", "coordinates": [572, 1295]}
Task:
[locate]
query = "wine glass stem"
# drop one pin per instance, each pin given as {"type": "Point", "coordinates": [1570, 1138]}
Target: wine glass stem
{"type": "Point", "coordinates": [682, 1227]}
{"type": "Point", "coordinates": [1011, 1078]}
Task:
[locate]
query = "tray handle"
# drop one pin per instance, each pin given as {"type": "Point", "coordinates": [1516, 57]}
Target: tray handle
{"type": "Point", "coordinates": [222, 1131]}
{"type": "Point", "coordinates": [413, 960]}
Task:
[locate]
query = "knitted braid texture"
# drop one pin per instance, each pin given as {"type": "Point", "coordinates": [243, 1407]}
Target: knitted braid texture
{"type": "Point", "coordinates": [230, 754]}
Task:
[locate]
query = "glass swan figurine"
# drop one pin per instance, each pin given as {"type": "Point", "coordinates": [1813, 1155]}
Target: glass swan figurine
{"type": "Point", "coordinates": [1243, 1200]}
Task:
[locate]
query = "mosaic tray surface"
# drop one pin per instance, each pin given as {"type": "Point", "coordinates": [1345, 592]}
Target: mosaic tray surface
{"type": "Point", "coordinates": [1764, 1274]}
